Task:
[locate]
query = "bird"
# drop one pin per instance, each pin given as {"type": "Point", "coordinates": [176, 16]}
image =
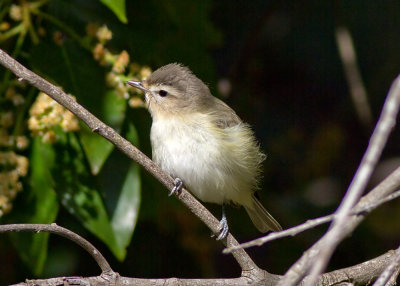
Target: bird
{"type": "Point", "coordinates": [202, 143]}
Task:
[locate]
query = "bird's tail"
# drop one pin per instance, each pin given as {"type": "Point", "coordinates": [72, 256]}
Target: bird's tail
{"type": "Point", "coordinates": [261, 218]}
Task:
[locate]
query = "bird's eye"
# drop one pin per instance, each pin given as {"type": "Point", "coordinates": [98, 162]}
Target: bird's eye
{"type": "Point", "coordinates": [163, 93]}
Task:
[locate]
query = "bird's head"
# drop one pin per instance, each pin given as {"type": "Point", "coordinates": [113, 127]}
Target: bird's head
{"type": "Point", "coordinates": [173, 89]}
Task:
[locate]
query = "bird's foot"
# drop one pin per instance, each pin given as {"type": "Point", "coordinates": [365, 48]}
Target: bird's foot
{"type": "Point", "coordinates": [178, 186]}
{"type": "Point", "coordinates": [223, 226]}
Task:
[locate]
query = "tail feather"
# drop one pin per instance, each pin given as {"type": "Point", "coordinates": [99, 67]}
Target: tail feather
{"type": "Point", "coordinates": [262, 220]}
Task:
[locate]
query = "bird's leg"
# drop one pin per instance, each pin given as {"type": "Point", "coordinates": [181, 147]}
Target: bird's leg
{"type": "Point", "coordinates": [223, 224]}
{"type": "Point", "coordinates": [178, 186]}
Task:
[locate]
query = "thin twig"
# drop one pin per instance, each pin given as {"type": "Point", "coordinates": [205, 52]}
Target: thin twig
{"type": "Point", "coordinates": [298, 270]}
{"type": "Point", "coordinates": [284, 233]}
{"type": "Point", "coordinates": [367, 208]}
{"type": "Point", "coordinates": [359, 209]}
{"type": "Point", "coordinates": [378, 140]}
{"type": "Point", "coordinates": [243, 259]}
{"type": "Point", "coordinates": [353, 76]}
{"type": "Point", "coordinates": [54, 228]}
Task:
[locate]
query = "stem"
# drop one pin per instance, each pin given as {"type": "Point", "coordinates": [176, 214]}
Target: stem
{"type": "Point", "coordinates": [26, 19]}
{"type": "Point", "coordinates": [21, 114]}
{"type": "Point", "coordinates": [64, 27]}
{"type": "Point", "coordinates": [12, 32]}
{"type": "Point", "coordinates": [37, 4]}
{"type": "Point", "coordinates": [17, 50]}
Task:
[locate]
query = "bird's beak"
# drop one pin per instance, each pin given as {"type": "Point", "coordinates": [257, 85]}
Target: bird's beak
{"type": "Point", "coordinates": [137, 84]}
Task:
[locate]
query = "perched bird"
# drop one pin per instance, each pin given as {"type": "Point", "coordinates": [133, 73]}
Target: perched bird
{"type": "Point", "coordinates": [200, 141]}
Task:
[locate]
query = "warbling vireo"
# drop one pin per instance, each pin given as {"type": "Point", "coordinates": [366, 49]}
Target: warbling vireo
{"type": "Point", "coordinates": [200, 141]}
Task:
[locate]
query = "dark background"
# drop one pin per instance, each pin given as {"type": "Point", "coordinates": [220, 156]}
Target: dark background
{"type": "Point", "coordinates": [287, 81]}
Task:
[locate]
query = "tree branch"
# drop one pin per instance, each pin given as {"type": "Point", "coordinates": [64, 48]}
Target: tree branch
{"type": "Point", "coordinates": [250, 272]}
{"type": "Point", "coordinates": [339, 228]}
{"type": "Point", "coordinates": [127, 281]}
{"type": "Point", "coordinates": [360, 208]}
{"type": "Point", "coordinates": [298, 270]}
{"type": "Point", "coordinates": [54, 228]}
{"type": "Point", "coordinates": [360, 274]}
{"type": "Point", "coordinates": [246, 263]}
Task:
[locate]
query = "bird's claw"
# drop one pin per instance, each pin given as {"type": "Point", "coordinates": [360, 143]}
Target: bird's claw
{"type": "Point", "coordinates": [224, 228]}
{"type": "Point", "coordinates": [178, 186]}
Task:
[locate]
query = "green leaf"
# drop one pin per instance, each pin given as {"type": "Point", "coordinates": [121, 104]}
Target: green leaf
{"type": "Point", "coordinates": [114, 108]}
{"type": "Point", "coordinates": [87, 205]}
{"type": "Point", "coordinates": [40, 206]}
{"type": "Point", "coordinates": [97, 149]}
{"type": "Point", "coordinates": [126, 212]}
{"type": "Point", "coordinates": [80, 195]}
{"type": "Point", "coordinates": [118, 7]}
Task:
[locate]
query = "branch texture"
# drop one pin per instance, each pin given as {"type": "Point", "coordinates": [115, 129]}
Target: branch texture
{"type": "Point", "coordinates": [359, 274]}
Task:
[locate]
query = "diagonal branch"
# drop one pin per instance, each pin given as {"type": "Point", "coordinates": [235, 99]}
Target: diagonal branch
{"type": "Point", "coordinates": [295, 274]}
{"type": "Point", "coordinates": [246, 263]}
{"type": "Point", "coordinates": [339, 228]}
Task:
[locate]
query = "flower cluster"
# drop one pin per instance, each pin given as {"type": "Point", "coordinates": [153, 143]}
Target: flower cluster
{"type": "Point", "coordinates": [7, 121]}
{"type": "Point", "coordinates": [7, 139]}
{"type": "Point", "coordinates": [15, 15]}
{"type": "Point", "coordinates": [121, 68]}
{"type": "Point", "coordinates": [19, 19]}
{"type": "Point", "coordinates": [12, 168]}
{"type": "Point", "coordinates": [46, 114]}
{"type": "Point", "coordinates": [16, 21]}
{"type": "Point", "coordinates": [16, 12]}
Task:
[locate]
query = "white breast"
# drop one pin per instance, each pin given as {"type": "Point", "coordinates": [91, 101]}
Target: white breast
{"type": "Point", "coordinates": [192, 150]}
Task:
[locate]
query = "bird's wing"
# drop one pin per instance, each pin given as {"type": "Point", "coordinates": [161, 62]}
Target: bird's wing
{"type": "Point", "coordinates": [224, 115]}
